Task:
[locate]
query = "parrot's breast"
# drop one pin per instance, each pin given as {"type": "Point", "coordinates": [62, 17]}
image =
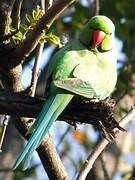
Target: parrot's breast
{"type": "Point", "coordinates": [97, 69]}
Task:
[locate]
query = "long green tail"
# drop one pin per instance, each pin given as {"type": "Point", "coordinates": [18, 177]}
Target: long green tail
{"type": "Point", "coordinates": [51, 110]}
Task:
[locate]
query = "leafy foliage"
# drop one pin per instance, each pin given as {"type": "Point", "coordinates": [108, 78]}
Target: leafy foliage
{"type": "Point", "coordinates": [21, 34]}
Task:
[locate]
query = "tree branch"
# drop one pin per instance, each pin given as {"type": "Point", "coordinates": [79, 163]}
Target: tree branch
{"type": "Point", "coordinates": [101, 146]}
{"type": "Point", "coordinates": [17, 15]}
{"type": "Point", "coordinates": [97, 7]}
{"type": "Point", "coordinates": [98, 113]}
{"type": "Point", "coordinates": [51, 160]}
{"type": "Point", "coordinates": [41, 27]}
{"type": "Point", "coordinates": [5, 12]}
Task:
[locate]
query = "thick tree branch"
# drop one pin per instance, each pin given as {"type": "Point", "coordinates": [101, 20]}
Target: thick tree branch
{"type": "Point", "coordinates": [98, 113]}
{"type": "Point", "coordinates": [27, 106]}
{"type": "Point", "coordinates": [51, 160]}
{"type": "Point", "coordinates": [5, 12]}
{"type": "Point", "coordinates": [41, 27]}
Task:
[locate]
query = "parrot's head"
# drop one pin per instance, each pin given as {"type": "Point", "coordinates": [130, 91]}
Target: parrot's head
{"type": "Point", "coordinates": [98, 33]}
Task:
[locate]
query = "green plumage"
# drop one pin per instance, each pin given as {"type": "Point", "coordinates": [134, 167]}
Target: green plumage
{"type": "Point", "coordinates": [93, 75]}
{"type": "Point", "coordinates": [80, 68]}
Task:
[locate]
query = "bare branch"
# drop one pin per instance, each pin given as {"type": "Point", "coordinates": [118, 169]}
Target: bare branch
{"type": "Point", "coordinates": [17, 19]}
{"type": "Point", "coordinates": [106, 175]}
{"type": "Point", "coordinates": [63, 136]}
{"type": "Point", "coordinates": [3, 131]}
{"type": "Point", "coordinates": [48, 4]}
{"type": "Point", "coordinates": [51, 160]}
{"type": "Point", "coordinates": [101, 146]}
{"type": "Point", "coordinates": [91, 159]}
{"type": "Point", "coordinates": [97, 7]}
{"type": "Point", "coordinates": [98, 113]}
{"type": "Point", "coordinates": [35, 71]}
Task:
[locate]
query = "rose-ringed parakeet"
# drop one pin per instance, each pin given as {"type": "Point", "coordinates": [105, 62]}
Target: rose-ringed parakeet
{"type": "Point", "coordinates": [86, 67]}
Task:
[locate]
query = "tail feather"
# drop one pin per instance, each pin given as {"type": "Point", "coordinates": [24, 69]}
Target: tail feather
{"type": "Point", "coordinates": [29, 155]}
{"type": "Point", "coordinates": [41, 115]}
{"type": "Point", "coordinates": [39, 139]}
{"type": "Point", "coordinates": [48, 115]}
{"type": "Point", "coordinates": [42, 122]}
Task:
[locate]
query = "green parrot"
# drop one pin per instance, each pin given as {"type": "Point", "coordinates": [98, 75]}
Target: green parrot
{"type": "Point", "coordinates": [86, 67]}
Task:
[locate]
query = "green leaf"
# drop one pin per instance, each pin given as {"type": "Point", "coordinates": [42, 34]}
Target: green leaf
{"type": "Point", "coordinates": [34, 14]}
{"type": "Point", "coordinates": [37, 14]}
{"type": "Point", "coordinates": [18, 36]}
{"type": "Point", "coordinates": [24, 26]}
{"type": "Point", "coordinates": [29, 18]}
{"type": "Point", "coordinates": [12, 29]}
{"type": "Point", "coordinates": [10, 21]}
{"type": "Point", "coordinates": [42, 41]}
{"type": "Point", "coordinates": [53, 38]}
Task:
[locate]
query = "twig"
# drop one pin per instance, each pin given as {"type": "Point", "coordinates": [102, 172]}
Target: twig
{"type": "Point", "coordinates": [48, 4]}
{"type": "Point", "coordinates": [17, 19]}
{"type": "Point", "coordinates": [106, 175]}
{"type": "Point", "coordinates": [38, 57]}
{"type": "Point", "coordinates": [91, 159]}
{"type": "Point", "coordinates": [101, 146]}
{"type": "Point", "coordinates": [122, 95]}
{"type": "Point", "coordinates": [62, 137]}
{"type": "Point", "coordinates": [36, 69]}
{"type": "Point", "coordinates": [97, 7]}
{"type": "Point", "coordinates": [5, 170]}
{"type": "Point", "coordinates": [2, 135]}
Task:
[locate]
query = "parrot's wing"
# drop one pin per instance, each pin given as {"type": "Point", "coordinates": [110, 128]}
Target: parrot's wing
{"type": "Point", "coordinates": [76, 86]}
{"type": "Point", "coordinates": [94, 77]}
{"type": "Point", "coordinates": [53, 63]}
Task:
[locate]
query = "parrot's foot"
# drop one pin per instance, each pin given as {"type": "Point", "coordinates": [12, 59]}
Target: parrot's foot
{"type": "Point", "coordinates": [96, 112]}
{"type": "Point", "coordinates": [107, 123]}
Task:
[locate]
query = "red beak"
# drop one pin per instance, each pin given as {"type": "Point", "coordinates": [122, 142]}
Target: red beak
{"type": "Point", "coordinates": [98, 37]}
